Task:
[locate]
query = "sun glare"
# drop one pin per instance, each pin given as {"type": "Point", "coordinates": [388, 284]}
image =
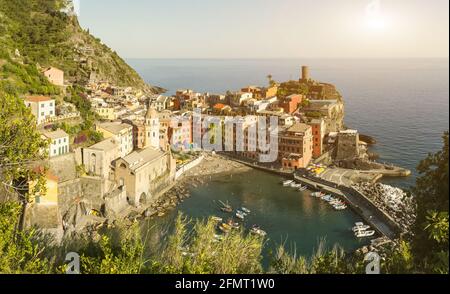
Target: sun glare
{"type": "Point", "coordinates": [376, 23]}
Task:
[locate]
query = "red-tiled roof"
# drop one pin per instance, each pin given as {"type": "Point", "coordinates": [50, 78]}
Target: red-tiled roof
{"type": "Point", "coordinates": [37, 98]}
{"type": "Point", "coordinates": [219, 106]}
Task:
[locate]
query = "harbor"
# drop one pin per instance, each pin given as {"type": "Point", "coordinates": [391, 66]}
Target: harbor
{"type": "Point", "coordinates": [286, 215]}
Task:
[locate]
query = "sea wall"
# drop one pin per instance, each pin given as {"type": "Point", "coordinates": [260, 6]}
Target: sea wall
{"type": "Point", "coordinates": [186, 167]}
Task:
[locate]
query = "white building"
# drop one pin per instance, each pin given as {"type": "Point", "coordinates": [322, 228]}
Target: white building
{"type": "Point", "coordinates": [41, 107]}
{"type": "Point", "coordinates": [122, 132]}
{"type": "Point", "coordinates": [59, 144]}
{"type": "Point", "coordinates": [162, 103]}
{"type": "Point", "coordinates": [238, 98]}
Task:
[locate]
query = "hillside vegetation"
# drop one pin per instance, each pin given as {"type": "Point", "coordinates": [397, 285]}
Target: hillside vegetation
{"type": "Point", "coordinates": [35, 34]}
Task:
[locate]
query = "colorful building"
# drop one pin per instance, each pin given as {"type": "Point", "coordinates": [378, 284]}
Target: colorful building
{"type": "Point", "coordinates": [291, 103]}
{"type": "Point", "coordinates": [54, 76]}
{"type": "Point", "coordinates": [296, 146]}
{"type": "Point", "coordinates": [319, 131]}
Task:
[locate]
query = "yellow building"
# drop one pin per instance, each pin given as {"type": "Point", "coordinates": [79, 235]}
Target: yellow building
{"type": "Point", "coordinates": [50, 195]}
{"type": "Point", "coordinates": [107, 113]}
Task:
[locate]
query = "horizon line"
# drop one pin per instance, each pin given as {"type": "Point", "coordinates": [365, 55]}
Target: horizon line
{"type": "Point", "coordinates": [266, 58]}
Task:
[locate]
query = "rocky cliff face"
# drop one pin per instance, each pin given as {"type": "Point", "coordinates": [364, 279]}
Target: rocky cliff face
{"type": "Point", "coordinates": [39, 33]}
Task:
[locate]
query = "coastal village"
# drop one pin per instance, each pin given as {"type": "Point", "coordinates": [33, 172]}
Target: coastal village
{"type": "Point", "coordinates": [147, 144]}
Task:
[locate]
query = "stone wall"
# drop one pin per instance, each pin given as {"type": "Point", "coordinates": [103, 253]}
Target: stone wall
{"type": "Point", "coordinates": [116, 202]}
{"type": "Point", "coordinates": [64, 167]}
{"type": "Point", "coordinates": [347, 146]}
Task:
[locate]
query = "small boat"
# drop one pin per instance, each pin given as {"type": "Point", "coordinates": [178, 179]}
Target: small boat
{"type": "Point", "coordinates": [227, 209]}
{"type": "Point", "coordinates": [240, 216]}
{"type": "Point", "coordinates": [257, 231]}
{"type": "Point", "coordinates": [327, 198]}
{"type": "Point", "coordinates": [340, 207]}
{"type": "Point", "coordinates": [225, 228]}
{"type": "Point", "coordinates": [364, 234]}
{"type": "Point", "coordinates": [216, 219]}
{"type": "Point", "coordinates": [233, 224]}
{"type": "Point", "coordinates": [241, 212]}
{"type": "Point", "coordinates": [303, 188]}
{"type": "Point", "coordinates": [246, 210]}
{"type": "Point", "coordinates": [295, 185]}
{"type": "Point", "coordinates": [317, 194]}
{"type": "Point", "coordinates": [287, 183]}
{"type": "Point", "coordinates": [361, 228]}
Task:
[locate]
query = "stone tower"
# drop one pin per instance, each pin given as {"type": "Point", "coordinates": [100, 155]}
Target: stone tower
{"type": "Point", "coordinates": [305, 74]}
{"type": "Point", "coordinates": [151, 128]}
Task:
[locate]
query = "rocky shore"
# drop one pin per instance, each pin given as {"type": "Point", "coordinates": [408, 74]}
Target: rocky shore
{"type": "Point", "coordinates": [394, 201]}
{"type": "Point", "coordinates": [212, 165]}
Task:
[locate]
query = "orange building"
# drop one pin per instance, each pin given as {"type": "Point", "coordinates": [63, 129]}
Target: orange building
{"type": "Point", "coordinates": [318, 130]}
{"type": "Point", "coordinates": [290, 104]}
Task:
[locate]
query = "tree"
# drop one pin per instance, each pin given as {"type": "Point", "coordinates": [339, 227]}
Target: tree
{"type": "Point", "coordinates": [430, 242]}
{"type": "Point", "coordinates": [21, 147]}
{"type": "Point", "coordinates": [431, 192]}
{"type": "Point", "coordinates": [271, 81]}
{"type": "Point", "coordinates": [19, 250]}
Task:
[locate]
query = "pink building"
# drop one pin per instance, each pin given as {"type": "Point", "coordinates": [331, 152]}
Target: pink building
{"type": "Point", "coordinates": [296, 146]}
{"type": "Point", "coordinates": [55, 76]}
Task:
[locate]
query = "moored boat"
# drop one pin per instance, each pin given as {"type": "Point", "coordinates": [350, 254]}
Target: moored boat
{"type": "Point", "coordinates": [287, 183]}
{"type": "Point", "coordinates": [258, 231]}
{"type": "Point", "coordinates": [216, 218]}
{"type": "Point", "coordinates": [246, 210]}
{"type": "Point", "coordinates": [364, 234]}
{"type": "Point", "coordinates": [240, 216]}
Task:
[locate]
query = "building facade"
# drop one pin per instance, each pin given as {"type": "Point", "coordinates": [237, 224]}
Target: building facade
{"type": "Point", "coordinates": [122, 132]}
{"type": "Point", "coordinates": [296, 146]}
{"type": "Point", "coordinates": [54, 76]}
{"type": "Point", "coordinates": [43, 108]}
{"type": "Point", "coordinates": [59, 143]}
{"type": "Point", "coordinates": [143, 174]}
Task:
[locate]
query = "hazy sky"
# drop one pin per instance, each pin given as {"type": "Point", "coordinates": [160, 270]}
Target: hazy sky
{"type": "Point", "coordinates": [270, 28]}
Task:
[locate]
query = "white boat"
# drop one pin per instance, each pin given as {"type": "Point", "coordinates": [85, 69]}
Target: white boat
{"type": "Point", "coordinates": [340, 207]}
{"type": "Point", "coordinates": [241, 212]}
{"type": "Point", "coordinates": [328, 198]}
{"type": "Point", "coordinates": [258, 231]}
{"type": "Point", "coordinates": [317, 194]}
{"type": "Point", "coordinates": [240, 216]}
{"type": "Point", "coordinates": [364, 234]}
{"type": "Point", "coordinates": [287, 183]}
{"type": "Point", "coordinates": [217, 219]}
{"type": "Point", "coordinates": [303, 188]}
{"type": "Point", "coordinates": [361, 228]}
{"type": "Point", "coordinates": [246, 210]}
{"type": "Point", "coordinates": [295, 185]}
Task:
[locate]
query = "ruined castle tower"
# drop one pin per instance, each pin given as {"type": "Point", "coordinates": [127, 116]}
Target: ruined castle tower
{"type": "Point", "coordinates": [305, 74]}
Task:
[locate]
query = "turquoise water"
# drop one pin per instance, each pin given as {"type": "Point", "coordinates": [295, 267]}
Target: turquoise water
{"type": "Point", "coordinates": [402, 103]}
{"type": "Point", "coordinates": [290, 217]}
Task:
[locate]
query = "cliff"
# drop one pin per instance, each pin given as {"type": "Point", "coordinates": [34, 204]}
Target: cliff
{"type": "Point", "coordinates": [35, 34]}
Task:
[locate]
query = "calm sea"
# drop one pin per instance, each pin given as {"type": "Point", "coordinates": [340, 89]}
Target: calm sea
{"type": "Point", "coordinates": [403, 103]}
